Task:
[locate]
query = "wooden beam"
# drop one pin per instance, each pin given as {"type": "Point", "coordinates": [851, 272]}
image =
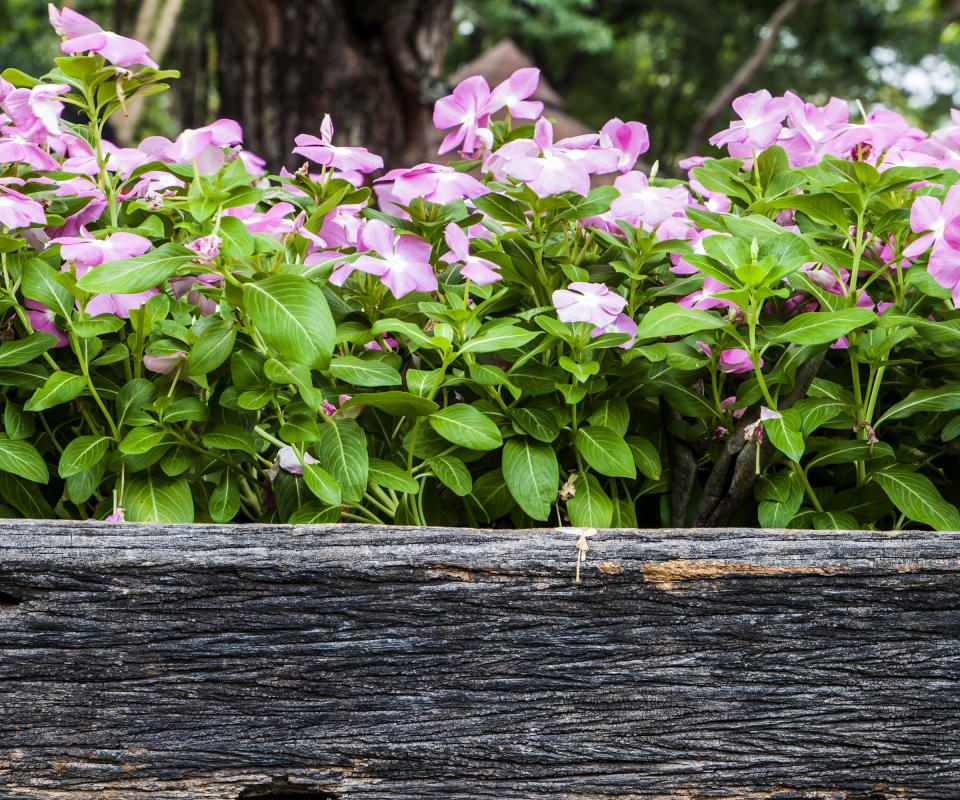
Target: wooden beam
{"type": "Point", "coordinates": [176, 662]}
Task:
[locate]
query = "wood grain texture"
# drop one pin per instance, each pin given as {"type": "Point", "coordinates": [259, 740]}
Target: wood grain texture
{"type": "Point", "coordinates": [141, 661]}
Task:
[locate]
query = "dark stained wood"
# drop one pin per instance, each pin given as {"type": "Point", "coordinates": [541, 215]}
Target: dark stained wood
{"type": "Point", "coordinates": [175, 662]}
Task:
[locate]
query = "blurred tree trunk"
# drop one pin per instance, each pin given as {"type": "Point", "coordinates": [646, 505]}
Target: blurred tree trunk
{"type": "Point", "coordinates": [283, 64]}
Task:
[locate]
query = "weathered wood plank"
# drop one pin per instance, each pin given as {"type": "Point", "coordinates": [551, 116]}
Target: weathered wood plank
{"type": "Point", "coordinates": [352, 661]}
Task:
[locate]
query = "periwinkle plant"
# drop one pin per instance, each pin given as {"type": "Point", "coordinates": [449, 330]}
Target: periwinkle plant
{"type": "Point", "coordinates": [495, 341]}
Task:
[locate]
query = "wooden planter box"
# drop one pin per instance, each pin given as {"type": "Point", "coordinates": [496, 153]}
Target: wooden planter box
{"type": "Point", "coordinates": [342, 661]}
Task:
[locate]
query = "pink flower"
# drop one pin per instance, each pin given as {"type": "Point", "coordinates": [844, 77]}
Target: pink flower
{"type": "Point", "coordinates": [118, 304]}
{"type": "Point", "coordinates": [479, 270]}
{"type": "Point", "coordinates": [42, 320]}
{"type": "Point", "coordinates": [644, 205]}
{"type": "Point", "coordinates": [736, 361]}
{"type": "Point", "coordinates": [810, 128]}
{"type": "Point", "coordinates": [760, 121]}
{"type": "Point", "coordinates": [389, 341]}
{"type": "Point", "coordinates": [402, 262]}
{"type": "Point", "coordinates": [513, 94]}
{"type": "Point", "coordinates": [433, 182]}
{"type": "Point", "coordinates": [321, 151]}
{"type": "Point", "coordinates": [555, 171]}
{"type": "Point", "coordinates": [254, 164]}
{"type": "Point", "coordinates": [19, 211]}
{"type": "Point", "coordinates": [629, 139]}
{"type": "Point", "coordinates": [85, 251]}
{"type": "Point", "coordinates": [730, 402]}
{"type": "Point", "coordinates": [944, 264]}
{"type": "Point", "coordinates": [588, 302]}
{"type": "Point", "coordinates": [273, 221]}
{"type": "Point", "coordinates": [207, 247]}
{"type": "Point", "coordinates": [929, 217]}
{"type": "Point", "coordinates": [15, 147]}
{"type": "Point", "coordinates": [203, 146]}
{"type": "Point", "coordinates": [85, 36]}
{"type": "Point", "coordinates": [467, 110]}
{"type": "Point", "coordinates": [190, 286]}
{"type": "Point", "coordinates": [164, 364]}
{"type": "Point", "coordinates": [36, 112]}
{"type": "Point", "coordinates": [79, 187]}
{"type": "Point", "coordinates": [880, 130]}
{"type": "Point", "coordinates": [152, 184]}
{"type": "Point", "coordinates": [286, 459]}
{"type": "Point", "coordinates": [621, 324]}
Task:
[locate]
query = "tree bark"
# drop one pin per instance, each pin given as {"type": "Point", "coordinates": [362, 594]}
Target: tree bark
{"type": "Point", "coordinates": [177, 662]}
{"type": "Point", "coordinates": [283, 64]}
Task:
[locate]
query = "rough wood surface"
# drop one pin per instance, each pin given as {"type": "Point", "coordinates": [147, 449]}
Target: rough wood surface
{"type": "Point", "coordinates": [181, 662]}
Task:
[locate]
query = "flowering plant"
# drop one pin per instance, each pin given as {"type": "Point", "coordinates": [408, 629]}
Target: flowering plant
{"type": "Point", "coordinates": [506, 339]}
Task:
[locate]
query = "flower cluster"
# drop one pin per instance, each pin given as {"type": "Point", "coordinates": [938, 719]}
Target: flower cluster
{"type": "Point", "coordinates": [503, 339]}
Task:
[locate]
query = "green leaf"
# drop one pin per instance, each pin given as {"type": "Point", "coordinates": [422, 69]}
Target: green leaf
{"type": "Point", "coordinates": [230, 437]}
{"type": "Point", "coordinates": [213, 346]}
{"type": "Point", "coordinates": [823, 327]}
{"type": "Point", "coordinates": [452, 473]}
{"type": "Point", "coordinates": [20, 351]}
{"type": "Point", "coordinates": [590, 507]}
{"type": "Point", "coordinates": [916, 497]}
{"type": "Point", "coordinates": [342, 446]}
{"type": "Point", "coordinates": [60, 387]}
{"type": "Point", "coordinates": [86, 327]}
{"type": "Point", "coordinates": [611, 413]}
{"type": "Point", "coordinates": [944, 398]}
{"type": "Point", "coordinates": [81, 485]}
{"type": "Point", "coordinates": [141, 440]}
{"type": "Point", "coordinates": [39, 282]}
{"type": "Point", "coordinates": [187, 409]}
{"type": "Point", "coordinates": [21, 458]}
{"type": "Point", "coordinates": [148, 497]}
{"type": "Point", "coordinates": [390, 476]}
{"type": "Point", "coordinates": [82, 453]}
{"type": "Point", "coordinates": [364, 371]}
{"type": "Point", "coordinates": [645, 456]}
{"type": "Point", "coordinates": [314, 513]}
{"type": "Point", "coordinates": [624, 513]}
{"type": "Point", "coordinates": [322, 484]}
{"type": "Point", "coordinates": [399, 329]}
{"type": "Point", "coordinates": [137, 274]}
{"type": "Point", "coordinates": [834, 521]}
{"type": "Point", "coordinates": [532, 474]}
{"type": "Point", "coordinates": [819, 207]}
{"type": "Point", "coordinates": [540, 423]}
{"type": "Point", "coordinates": [466, 426]}
{"type": "Point", "coordinates": [225, 498]}
{"type": "Point", "coordinates": [502, 208]}
{"type": "Point", "coordinates": [493, 498]}
{"type": "Point", "coordinates": [399, 404]}
{"type": "Point", "coordinates": [292, 315]}
{"type": "Point", "coordinates": [785, 434]}
{"type": "Point", "coordinates": [502, 337]}
{"type": "Point", "coordinates": [673, 320]}
{"type": "Point", "coordinates": [277, 371]}
{"type": "Point", "coordinates": [16, 422]}
{"type": "Point", "coordinates": [237, 241]}
{"type": "Point", "coordinates": [25, 497]}
{"type": "Point", "coordinates": [580, 370]}
{"type": "Point", "coordinates": [423, 381]}
{"type": "Point", "coordinates": [131, 399]}
{"type": "Point", "coordinates": [606, 451]}
{"type": "Point", "coordinates": [299, 428]}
